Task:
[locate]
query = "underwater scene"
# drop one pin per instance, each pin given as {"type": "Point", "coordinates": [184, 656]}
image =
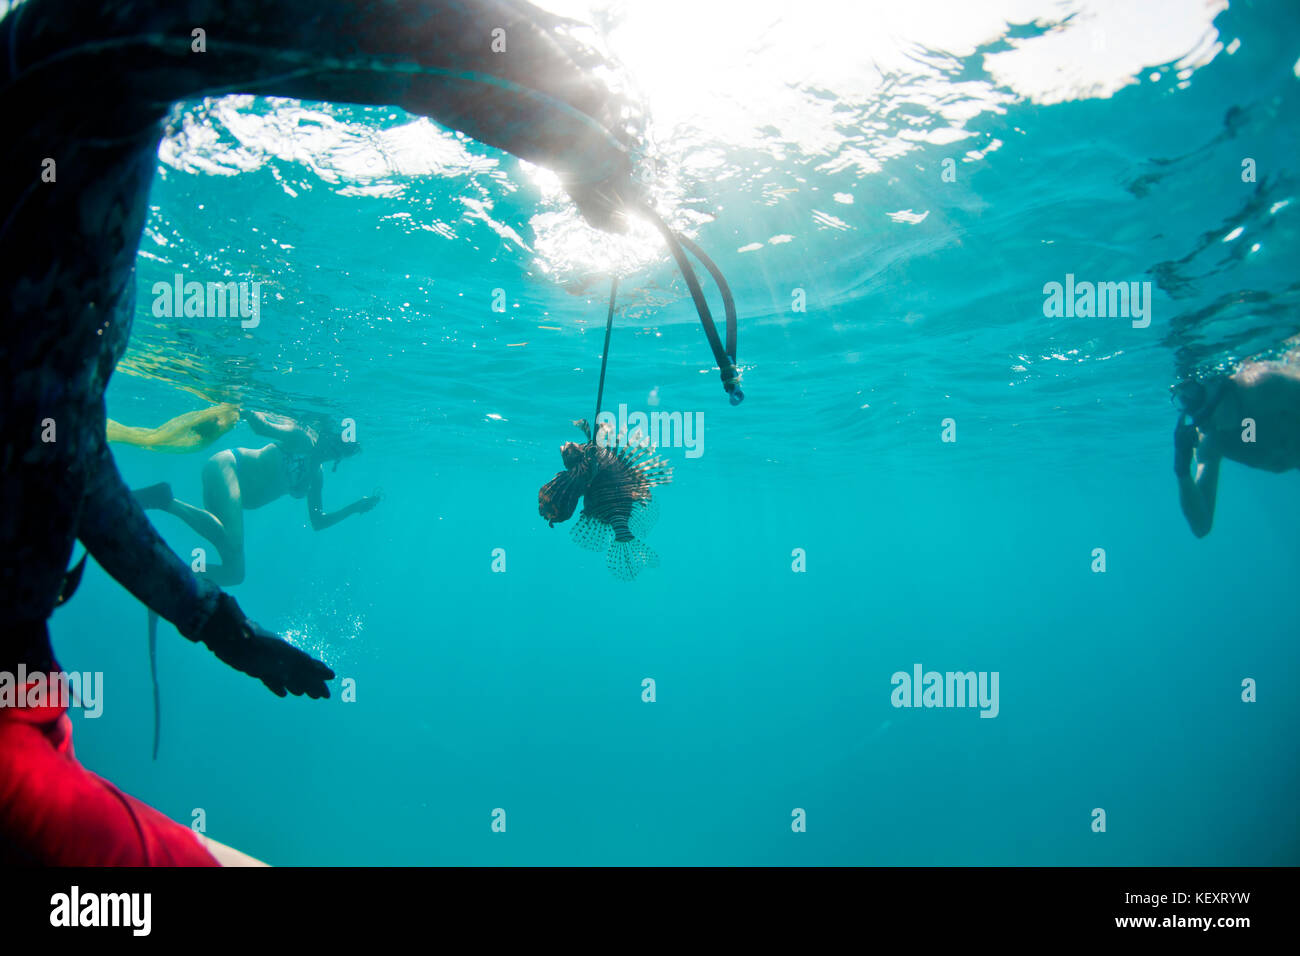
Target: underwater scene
{"type": "Point", "coordinates": [923, 493]}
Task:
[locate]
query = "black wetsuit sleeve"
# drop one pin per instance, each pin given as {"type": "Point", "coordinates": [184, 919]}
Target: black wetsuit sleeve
{"type": "Point", "coordinates": [430, 57]}
{"type": "Point", "coordinates": [121, 538]}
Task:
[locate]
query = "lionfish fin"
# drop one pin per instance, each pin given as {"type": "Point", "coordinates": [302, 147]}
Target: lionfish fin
{"type": "Point", "coordinates": [625, 559]}
{"type": "Point", "coordinates": [645, 513]}
{"type": "Point", "coordinates": [590, 534]}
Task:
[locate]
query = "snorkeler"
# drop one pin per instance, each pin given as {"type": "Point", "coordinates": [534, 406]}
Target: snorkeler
{"type": "Point", "coordinates": [1251, 417]}
{"type": "Point", "coordinates": [244, 479]}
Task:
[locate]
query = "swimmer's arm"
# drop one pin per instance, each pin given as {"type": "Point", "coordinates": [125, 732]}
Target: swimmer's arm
{"type": "Point", "coordinates": [270, 426]}
{"type": "Point", "coordinates": [284, 430]}
{"type": "Point", "coordinates": [320, 519]}
{"type": "Point", "coordinates": [1197, 494]}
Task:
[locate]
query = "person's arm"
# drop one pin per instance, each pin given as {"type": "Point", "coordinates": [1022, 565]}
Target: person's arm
{"type": "Point", "coordinates": [118, 535]}
{"type": "Point", "coordinates": [122, 540]}
{"type": "Point", "coordinates": [549, 100]}
{"type": "Point", "coordinates": [294, 437]}
{"type": "Point", "coordinates": [320, 519]}
{"type": "Point", "coordinates": [1197, 491]}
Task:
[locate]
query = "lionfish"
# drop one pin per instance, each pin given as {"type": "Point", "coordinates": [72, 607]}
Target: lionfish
{"type": "Point", "coordinates": [614, 479]}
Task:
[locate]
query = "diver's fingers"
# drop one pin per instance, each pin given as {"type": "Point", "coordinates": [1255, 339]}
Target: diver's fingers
{"type": "Point", "coordinates": [309, 680]}
{"type": "Point", "coordinates": [314, 689]}
{"type": "Point", "coordinates": [308, 676]}
{"type": "Point", "coordinates": [322, 671]}
{"type": "Point", "coordinates": [310, 669]}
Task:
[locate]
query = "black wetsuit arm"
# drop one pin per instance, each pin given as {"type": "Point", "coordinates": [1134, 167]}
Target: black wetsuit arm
{"type": "Point", "coordinates": [121, 539]}
{"type": "Point", "coordinates": [431, 57]}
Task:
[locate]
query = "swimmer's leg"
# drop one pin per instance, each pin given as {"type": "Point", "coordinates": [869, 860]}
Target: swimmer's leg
{"type": "Point", "coordinates": [225, 507]}
{"type": "Point", "coordinates": [156, 497]}
{"type": "Point", "coordinates": [222, 523]}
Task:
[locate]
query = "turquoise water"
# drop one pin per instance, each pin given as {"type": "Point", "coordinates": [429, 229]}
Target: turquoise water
{"type": "Point", "coordinates": [381, 240]}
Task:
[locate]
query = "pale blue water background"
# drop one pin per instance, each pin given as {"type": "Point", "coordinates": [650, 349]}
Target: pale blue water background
{"type": "Point", "coordinates": [522, 690]}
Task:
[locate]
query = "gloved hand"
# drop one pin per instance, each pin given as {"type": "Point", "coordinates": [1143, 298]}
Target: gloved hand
{"type": "Point", "coordinates": [246, 647]}
{"type": "Point", "coordinates": [1185, 438]}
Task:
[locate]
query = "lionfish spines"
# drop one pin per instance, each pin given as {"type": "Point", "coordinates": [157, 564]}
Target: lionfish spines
{"type": "Point", "coordinates": [643, 458]}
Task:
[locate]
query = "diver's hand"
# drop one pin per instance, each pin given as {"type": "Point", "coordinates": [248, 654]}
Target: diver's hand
{"type": "Point", "coordinates": [368, 502]}
{"type": "Point", "coordinates": [255, 651]}
{"type": "Point", "coordinates": [1185, 437]}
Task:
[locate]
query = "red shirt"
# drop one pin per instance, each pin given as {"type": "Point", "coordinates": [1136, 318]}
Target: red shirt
{"type": "Point", "coordinates": [55, 812]}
